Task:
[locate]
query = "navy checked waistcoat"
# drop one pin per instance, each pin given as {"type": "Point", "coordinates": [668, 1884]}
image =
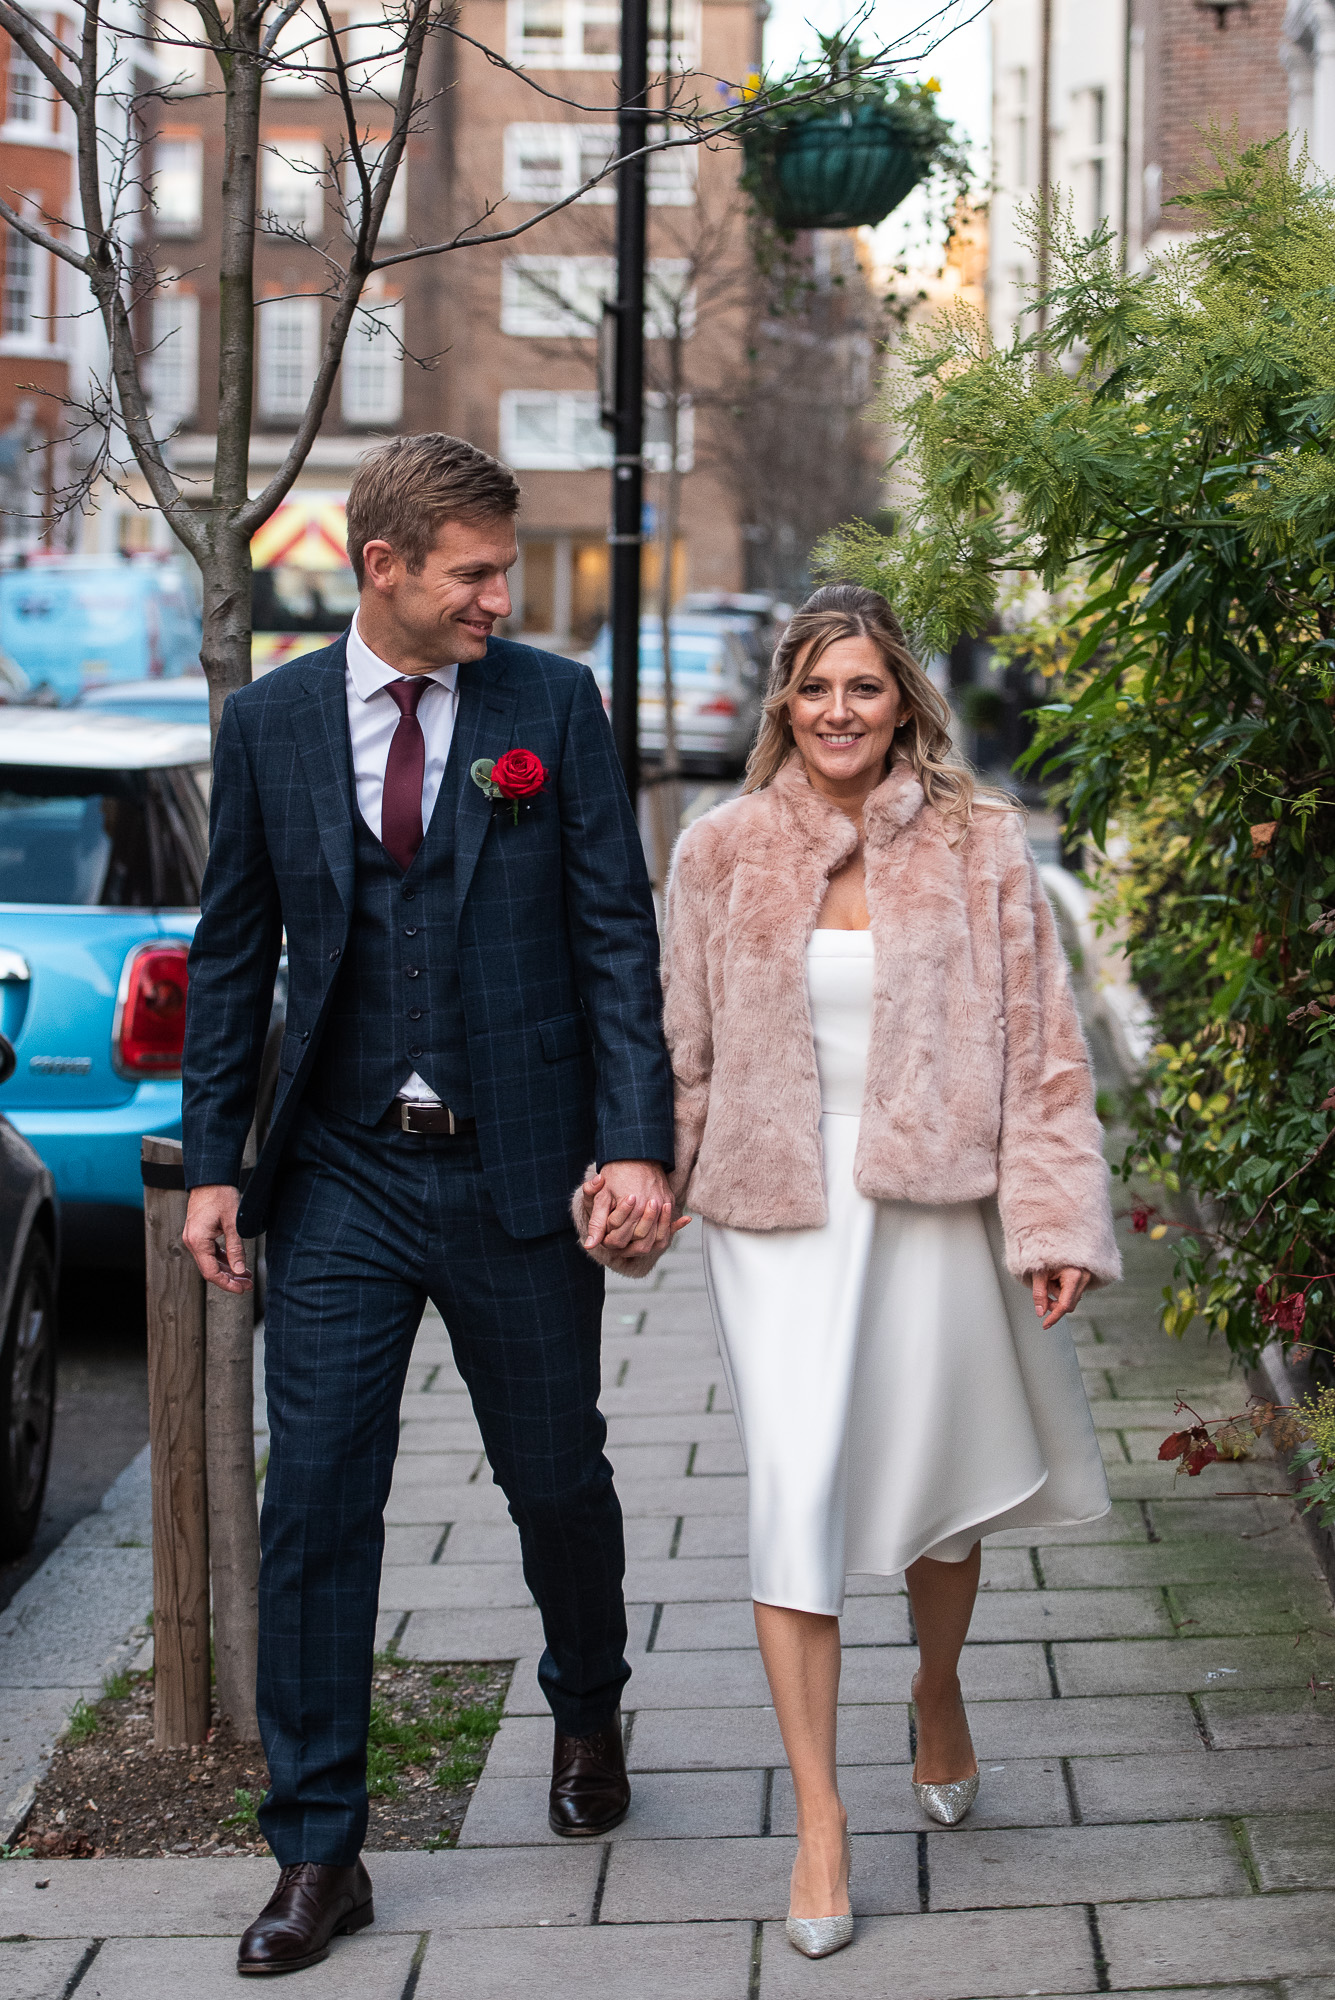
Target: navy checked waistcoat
{"type": "Point", "coordinates": [552, 922]}
{"type": "Point", "coordinates": [397, 1005]}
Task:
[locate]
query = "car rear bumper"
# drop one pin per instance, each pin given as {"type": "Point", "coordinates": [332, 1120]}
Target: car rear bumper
{"type": "Point", "coordinates": [93, 1154]}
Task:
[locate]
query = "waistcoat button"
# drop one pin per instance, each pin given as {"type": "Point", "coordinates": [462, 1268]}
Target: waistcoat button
{"type": "Point", "coordinates": [414, 1052]}
{"type": "Point", "coordinates": [334, 953]}
{"type": "Point", "coordinates": [411, 972]}
{"type": "Point", "coordinates": [414, 1013]}
{"type": "Point", "coordinates": [408, 894]}
{"type": "Point", "coordinates": [411, 932]}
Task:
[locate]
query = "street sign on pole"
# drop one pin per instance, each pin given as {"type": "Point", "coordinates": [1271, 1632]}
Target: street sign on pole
{"type": "Point", "coordinates": [627, 533]}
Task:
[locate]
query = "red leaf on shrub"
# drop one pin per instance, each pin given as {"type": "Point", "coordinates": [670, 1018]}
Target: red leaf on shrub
{"type": "Point", "coordinates": [1259, 943]}
{"type": "Point", "coordinates": [1198, 1458]}
{"type": "Point", "coordinates": [1140, 1217]}
{"type": "Point", "coordinates": [1175, 1444]}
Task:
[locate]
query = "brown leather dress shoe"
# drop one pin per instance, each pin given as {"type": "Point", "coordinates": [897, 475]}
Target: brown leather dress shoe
{"type": "Point", "coordinates": [312, 1903]}
{"type": "Point", "coordinates": [590, 1790]}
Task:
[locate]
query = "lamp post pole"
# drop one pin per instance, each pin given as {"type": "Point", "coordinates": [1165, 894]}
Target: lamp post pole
{"type": "Point", "coordinates": [626, 535]}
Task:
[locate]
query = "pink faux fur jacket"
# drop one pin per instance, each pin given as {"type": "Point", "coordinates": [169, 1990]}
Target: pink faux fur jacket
{"type": "Point", "coordinates": [978, 1079]}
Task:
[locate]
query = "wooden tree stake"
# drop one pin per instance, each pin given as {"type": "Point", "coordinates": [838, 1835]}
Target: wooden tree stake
{"type": "Point", "coordinates": [176, 1438]}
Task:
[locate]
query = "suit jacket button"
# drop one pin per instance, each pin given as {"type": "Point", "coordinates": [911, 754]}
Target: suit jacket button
{"type": "Point", "coordinates": [335, 953]}
{"type": "Point", "coordinates": [414, 1053]}
{"type": "Point", "coordinates": [414, 1013]}
{"type": "Point", "coordinates": [412, 972]}
{"type": "Point", "coordinates": [305, 1034]}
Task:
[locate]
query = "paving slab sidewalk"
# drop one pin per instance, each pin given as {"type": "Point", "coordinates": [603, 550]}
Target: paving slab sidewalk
{"type": "Point", "coordinates": [1158, 1800]}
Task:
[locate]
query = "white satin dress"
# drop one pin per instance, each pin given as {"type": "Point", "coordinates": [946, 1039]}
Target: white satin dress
{"type": "Point", "coordinates": [895, 1391]}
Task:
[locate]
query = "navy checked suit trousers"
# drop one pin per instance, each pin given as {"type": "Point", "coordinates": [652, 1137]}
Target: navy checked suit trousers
{"type": "Point", "coordinates": [367, 1226]}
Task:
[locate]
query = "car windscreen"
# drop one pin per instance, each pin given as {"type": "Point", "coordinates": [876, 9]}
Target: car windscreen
{"type": "Point", "coordinates": [110, 839]}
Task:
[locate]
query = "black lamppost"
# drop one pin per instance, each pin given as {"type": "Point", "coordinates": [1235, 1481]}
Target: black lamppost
{"type": "Point", "coordinates": [628, 323]}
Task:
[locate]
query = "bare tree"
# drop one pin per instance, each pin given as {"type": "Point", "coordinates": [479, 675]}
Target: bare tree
{"type": "Point", "coordinates": [108, 65]}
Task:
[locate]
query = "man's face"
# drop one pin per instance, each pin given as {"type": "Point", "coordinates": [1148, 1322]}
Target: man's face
{"type": "Point", "coordinates": [446, 611]}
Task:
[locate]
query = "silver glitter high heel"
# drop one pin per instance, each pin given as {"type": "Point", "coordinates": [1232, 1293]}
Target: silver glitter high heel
{"type": "Point", "coordinates": [817, 1937]}
{"type": "Point", "coordinates": [947, 1804]}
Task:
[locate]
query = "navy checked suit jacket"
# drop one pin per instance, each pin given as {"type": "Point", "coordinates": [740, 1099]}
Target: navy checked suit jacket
{"type": "Point", "coordinates": [554, 921]}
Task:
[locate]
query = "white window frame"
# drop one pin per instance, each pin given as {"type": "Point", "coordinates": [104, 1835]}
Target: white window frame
{"type": "Point", "coordinates": [565, 50]}
{"type": "Point", "coordinates": [656, 448]}
{"type": "Point", "coordinates": [179, 52]}
{"type": "Point", "coordinates": [36, 334]}
{"type": "Point", "coordinates": [373, 394]}
{"type": "Point", "coordinates": [298, 324]}
{"type": "Point", "coordinates": [372, 39]}
{"type": "Point", "coordinates": [580, 150]}
{"type": "Point", "coordinates": [577, 441]}
{"type": "Point", "coordinates": [301, 44]}
{"type": "Point", "coordinates": [172, 370]}
{"type": "Point", "coordinates": [35, 97]}
{"type": "Point", "coordinates": [178, 184]}
{"type": "Point", "coordinates": [395, 221]}
{"type": "Point", "coordinates": [569, 305]}
{"type": "Point", "coordinates": [292, 168]}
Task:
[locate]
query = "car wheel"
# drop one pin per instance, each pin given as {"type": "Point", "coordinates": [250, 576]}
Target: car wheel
{"type": "Point", "coordinates": [27, 1400]}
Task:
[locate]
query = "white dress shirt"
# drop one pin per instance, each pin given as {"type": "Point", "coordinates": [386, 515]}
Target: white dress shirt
{"type": "Point", "coordinates": [373, 716]}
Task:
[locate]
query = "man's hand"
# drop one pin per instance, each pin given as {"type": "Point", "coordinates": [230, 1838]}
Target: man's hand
{"type": "Point", "coordinates": [1056, 1292]}
{"type": "Point", "coordinates": [210, 1227]}
{"type": "Point", "coordinates": [630, 1208]}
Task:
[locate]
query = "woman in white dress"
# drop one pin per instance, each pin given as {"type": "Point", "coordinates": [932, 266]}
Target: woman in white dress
{"type": "Point", "coordinates": [885, 1117]}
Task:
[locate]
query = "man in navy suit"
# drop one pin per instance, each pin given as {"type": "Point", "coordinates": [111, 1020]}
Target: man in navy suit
{"type": "Point", "coordinates": [473, 1016]}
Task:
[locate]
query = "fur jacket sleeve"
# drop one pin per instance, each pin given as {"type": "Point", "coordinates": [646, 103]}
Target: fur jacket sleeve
{"type": "Point", "coordinates": [978, 1080]}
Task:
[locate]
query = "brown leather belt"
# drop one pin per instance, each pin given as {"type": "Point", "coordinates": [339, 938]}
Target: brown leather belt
{"type": "Point", "coordinates": [433, 1121]}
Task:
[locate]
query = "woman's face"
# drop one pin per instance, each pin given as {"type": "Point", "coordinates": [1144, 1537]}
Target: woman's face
{"type": "Point", "coordinates": [844, 713]}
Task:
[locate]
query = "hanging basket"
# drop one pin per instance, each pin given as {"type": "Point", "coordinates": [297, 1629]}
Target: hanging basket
{"type": "Point", "coordinates": [836, 172]}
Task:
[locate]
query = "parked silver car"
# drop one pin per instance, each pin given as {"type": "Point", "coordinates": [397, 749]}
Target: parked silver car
{"type": "Point", "coordinates": [715, 684]}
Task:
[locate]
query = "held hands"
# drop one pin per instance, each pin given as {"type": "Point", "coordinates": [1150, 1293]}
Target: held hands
{"type": "Point", "coordinates": [1056, 1292]}
{"type": "Point", "coordinates": [210, 1229]}
{"type": "Point", "coordinates": [630, 1208]}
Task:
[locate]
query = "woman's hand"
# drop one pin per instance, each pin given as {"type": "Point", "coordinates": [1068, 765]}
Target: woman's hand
{"type": "Point", "coordinates": [630, 1210]}
{"type": "Point", "coordinates": [1056, 1292]}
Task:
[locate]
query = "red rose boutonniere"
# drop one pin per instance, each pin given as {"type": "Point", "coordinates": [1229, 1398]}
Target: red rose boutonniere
{"type": "Point", "coordinates": [514, 779]}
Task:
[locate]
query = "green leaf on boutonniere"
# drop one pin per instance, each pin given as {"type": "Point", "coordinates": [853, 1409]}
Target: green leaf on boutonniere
{"type": "Point", "coordinates": [480, 772]}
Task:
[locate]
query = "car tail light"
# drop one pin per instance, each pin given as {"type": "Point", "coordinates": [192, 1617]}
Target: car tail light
{"type": "Point", "coordinates": [719, 706]}
{"type": "Point", "coordinates": [149, 1031]}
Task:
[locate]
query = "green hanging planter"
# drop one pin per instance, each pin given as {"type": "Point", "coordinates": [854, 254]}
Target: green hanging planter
{"type": "Point", "coordinates": [839, 171]}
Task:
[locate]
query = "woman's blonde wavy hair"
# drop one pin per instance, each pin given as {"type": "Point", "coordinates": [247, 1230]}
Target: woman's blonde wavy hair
{"type": "Point", "coordinates": [922, 737]}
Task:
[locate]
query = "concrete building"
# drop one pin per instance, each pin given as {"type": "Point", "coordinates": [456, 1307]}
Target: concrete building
{"type": "Point", "coordinates": [1109, 102]}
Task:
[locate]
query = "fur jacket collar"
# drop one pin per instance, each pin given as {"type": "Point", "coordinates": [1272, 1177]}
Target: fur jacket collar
{"type": "Point", "coordinates": [978, 1079]}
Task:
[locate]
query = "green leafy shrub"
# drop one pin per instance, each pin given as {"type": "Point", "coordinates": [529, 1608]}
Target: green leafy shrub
{"type": "Point", "coordinates": [1162, 457]}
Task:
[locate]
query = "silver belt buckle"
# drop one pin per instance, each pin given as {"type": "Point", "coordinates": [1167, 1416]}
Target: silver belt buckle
{"type": "Point", "coordinates": [407, 1106]}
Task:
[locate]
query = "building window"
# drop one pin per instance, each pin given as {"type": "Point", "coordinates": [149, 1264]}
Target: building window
{"type": "Point", "coordinates": [586, 34]}
{"type": "Point", "coordinates": [180, 41]}
{"type": "Point", "coordinates": [290, 331]}
{"type": "Point", "coordinates": [25, 317]}
{"type": "Point", "coordinates": [373, 365]}
{"type": "Point", "coordinates": [394, 223]}
{"type": "Point", "coordinates": [178, 184]}
{"type": "Point", "coordinates": [27, 93]}
{"type": "Point", "coordinates": [557, 430]}
{"type": "Point", "coordinates": [563, 296]}
{"type": "Point", "coordinates": [299, 58]}
{"type": "Point", "coordinates": [545, 163]}
{"type": "Point", "coordinates": [173, 366]}
{"type": "Point", "coordinates": [293, 187]}
{"type": "Point", "coordinates": [554, 430]}
{"type": "Point", "coordinates": [372, 44]}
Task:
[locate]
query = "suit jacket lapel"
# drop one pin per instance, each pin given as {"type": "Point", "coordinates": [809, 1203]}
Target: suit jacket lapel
{"type": "Point", "coordinates": [482, 728]}
{"type": "Point", "coordinates": [326, 757]}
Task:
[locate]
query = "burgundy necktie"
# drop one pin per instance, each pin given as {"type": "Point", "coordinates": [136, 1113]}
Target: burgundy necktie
{"type": "Point", "coordinates": [405, 768]}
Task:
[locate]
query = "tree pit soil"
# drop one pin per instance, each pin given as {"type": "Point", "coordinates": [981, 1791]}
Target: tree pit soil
{"type": "Point", "coordinates": [108, 1793]}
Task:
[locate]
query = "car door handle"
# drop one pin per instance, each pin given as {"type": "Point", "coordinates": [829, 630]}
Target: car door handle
{"type": "Point", "coordinates": [14, 968]}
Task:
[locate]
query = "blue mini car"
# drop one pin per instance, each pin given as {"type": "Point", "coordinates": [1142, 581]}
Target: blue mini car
{"type": "Point", "coordinates": [78, 621]}
{"type": "Point", "coordinates": [103, 838]}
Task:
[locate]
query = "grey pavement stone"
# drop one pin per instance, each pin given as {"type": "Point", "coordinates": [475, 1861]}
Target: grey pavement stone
{"type": "Point", "coordinates": [599, 1962]}
{"type": "Point", "coordinates": [454, 1586]}
{"type": "Point", "coordinates": [1240, 1719]}
{"type": "Point", "coordinates": [954, 1956]}
{"type": "Point", "coordinates": [1226, 1938]}
{"type": "Point", "coordinates": [698, 1881]}
{"type": "Point", "coordinates": [38, 1970]}
{"type": "Point", "coordinates": [683, 1496]}
{"type": "Point", "coordinates": [1286, 1604]}
{"type": "Point", "coordinates": [470, 1635]}
{"type": "Point", "coordinates": [973, 1870]}
{"type": "Point", "coordinates": [652, 1398]}
{"type": "Point", "coordinates": [498, 1541]}
{"type": "Point", "coordinates": [1294, 1850]}
{"type": "Point", "coordinates": [420, 1502]}
{"type": "Point", "coordinates": [30, 1721]}
{"type": "Point", "coordinates": [418, 1435]}
{"type": "Point", "coordinates": [1070, 1614]}
{"type": "Point", "coordinates": [512, 1812]}
{"type": "Point", "coordinates": [521, 1747]}
{"type": "Point", "coordinates": [1189, 1665]}
{"type": "Point", "coordinates": [635, 1462]}
{"type": "Point", "coordinates": [688, 1580]}
{"type": "Point", "coordinates": [987, 1673]}
{"type": "Point", "coordinates": [718, 1455]}
{"type": "Point", "coordinates": [1154, 1414]}
{"type": "Point", "coordinates": [65, 1624]}
{"type": "Point", "coordinates": [1122, 1523]}
{"type": "Point", "coordinates": [880, 1797]}
{"type": "Point", "coordinates": [1007, 1568]}
{"type": "Point", "coordinates": [412, 1545]}
{"type": "Point", "coordinates": [713, 1535]}
{"type": "Point", "coordinates": [724, 1739]}
{"type": "Point", "coordinates": [370, 1966]}
{"type": "Point", "coordinates": [1217, 1558]}
{"type": "Point", "coordinates": [1087, 1726]}
{"type": "Point", "coordinates": [679, 1680]}
{"type": "Point", "coordinates": [441, 1470]}
{"type": "Point", "coordinates": [1180, 1517]}
{"type": "Point", "coordinates": [674, 1427]}
{"type": "Point", "coordinates": [1169, 1785]}
{"type": "Point", "coordinates": [1150, 1480]}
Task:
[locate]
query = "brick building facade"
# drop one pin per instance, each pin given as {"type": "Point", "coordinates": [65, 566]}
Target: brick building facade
{"type": "Point", "coordinates": [1132, 88]}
